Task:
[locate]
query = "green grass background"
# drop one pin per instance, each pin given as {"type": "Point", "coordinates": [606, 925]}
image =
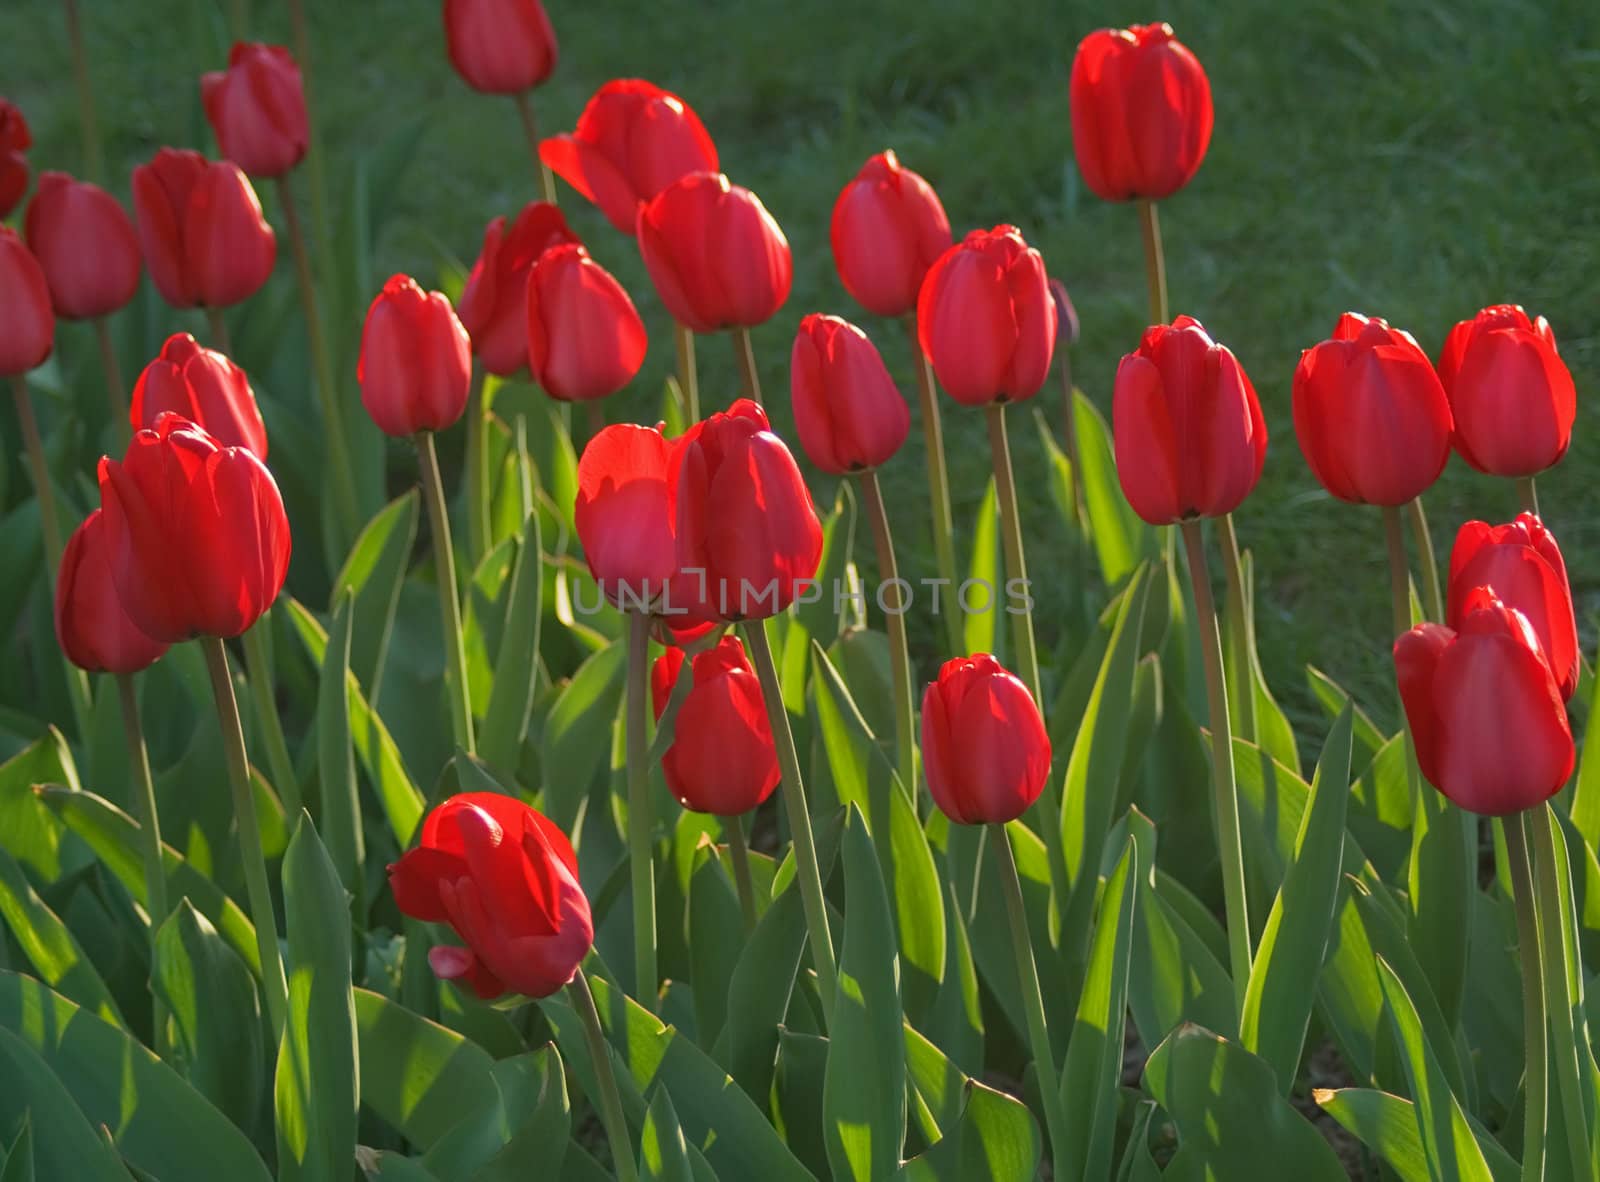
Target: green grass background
{"type": "Point", "coordinates": [1410, 160]}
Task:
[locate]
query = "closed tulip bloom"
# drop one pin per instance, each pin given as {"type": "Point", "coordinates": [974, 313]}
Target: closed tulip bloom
{"type": "Point", "coordinates": [1370, 414]}
{"type": "Point", "coordinates": [204, 387]}
{"type": "Point", "coordinates": [1510, 393]}
{"type": "Point", "coordinates": [199, 542]}
{"type": "Point", "coordinates": [494, 302]}
{"type": "Point", "coordinates": [415, 368]}
{"type": "Point", "coordinates": [84, 241]}
{"type": "Point", "coordinates": [986, 319]}
{"type": "Point", "coordinates": [985, 752]}
{"type": "Point", "coordinates": [716, 256]}
{"type": "Point", "coordinates": [202, 231]}
{"type": "Point", "coordinates": [625, 515]}
{"type": "Point", "coordinates": [257, 109]}
{"type": "Point", "coordinates": [1521, 563]}
{"type": "Point", "coordinates": [585, 338]}
{"type": "Point", "coordinates": [27, 324]}
{"type": "Point", "coordinates": [505, 878]}
{"type": "Point", "coordinates": [500, 46]}
{"type": "Point", "coordinates": [15, 140]}
{"type": "Point", "coordinates": [1190, 438]}
{"type": "Point", "coordinates": [1484, 709]}
{"type": "Point", "coordinates": [632, 140]}
{"type": "Point", "coordinates": [94, 630]}
{"type": "Point", "coordinates": [1141, 113]}
{"type": "Point", "coordinates": [847, 411]}
{"type": "Point", "coordinates": [722, 759]}
{"type": "Point", "coordinates": [888, 229]}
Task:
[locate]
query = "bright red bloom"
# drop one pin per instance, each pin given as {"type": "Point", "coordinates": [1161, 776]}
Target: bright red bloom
{"type": "Point", "coordinates": [716, 256]}
{"type": "Point", "coordinates": [203, 386]}
{"type": "Point", "coordinates": [984, 748]}
{"type": "Point", "coordinates": [1141, 113]}
{"type": "Point", "coordinates": [29, 330]}
{"type": "Point", "coordinates": [625, 514]}
{"type": "Point", "coordinates": [1510, 393]}
{"type": "Point", "coordinates": [585, 338]}
{"type": "Point", "coordinates": [494, 303]}
{"type": "Point", "coordinates": [1484, 709]}
{"type": "Point", "coordinates": [15, 140]}
{"type": "Point", "coordinates": [202, 230]}
{"type": "Point", "coordinates": [94, 630]}
{"type": "Point", "coordinates": [1521, 563]}
{"type": "Point", "coordinates": [199, 542]}
{"type": "Point", "coordinates": [1190, 438]}
{"type": "Point", "coordinates": [888, 228]}
{"type": "Point", "coordinates": [632, 140]}
{"type": "Point", "coordinates": [849, 415]}
{"type": "Point", "coordinates": [257, 109]}
{"type": "Point", "coordinates": [506, 879]}
{"type": "Point", "coordinates": [722, 759]}
{"type": "Point", "coordinates": [1370, 414]}
{"type": "Point", "coordinates": [84, 241]}
{"type": "Point", "coordinates": [415, 368]}
{"type": "Point", "coordinates": [500, 46]}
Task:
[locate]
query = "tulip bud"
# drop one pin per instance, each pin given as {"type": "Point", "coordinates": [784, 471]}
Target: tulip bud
{"type": "Point", "coordinates": [199, 542]}
{"type": "Point", "coordinates": [1370, 414]}
{"type": "Point", "coordinates": [15, 140]}
{"type": "Point", "coordinates": [203, 386]}
{"type": "Point", "coordinates": [716, 256]}
{"type": "Point", "coordinates": [84, 241]}
{"type": "Point", "coordinates": [1511, 395]}
{"type": "Point", "coordinates": [888, 229]}
{"type": "Point", "coordinates": [986, 320]}
{"type": "Point", "coordinates": [632, 140]}
{"type": "Point", "coordinates": [94, 630]}
{"type": "Point", "coordinates": [984, 748]}
{"type": "Point", "coordinates": [625, 514]}
{"type": "Point", "coordinates": [847, 411]}
{"type": "Point", "coordinates": [494, 302]}
{"type": "Point", "coordinates": [722, 759]}
{"type": "Point", "coordinates": [1141, 113]}
{"type": "Point", "coordinates": [505, 878]}
{"type": "Point", "coordinates": [1190, 438]}
{"type": "Point", "coordinates": [500, 46]}
{"type": "Point", "coordinates": [1484, 709]}
{"type": "Point", "coordinates": [585, 339]}
{"type": "Point", "coordinates": [257, 109]}
{"type": "Point", "coordinates": [415, 368]}
{"type": "Point", "coordinates": [202, 230]}
{"type": "Point", "coordinates": [27, 325]}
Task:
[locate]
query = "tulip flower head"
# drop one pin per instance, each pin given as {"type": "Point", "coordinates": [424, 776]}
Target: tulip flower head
{"type": "Point", "coordinates": [29, 325]}
{"type": "Point", "coordinates": [722, 759]}
{"type": "Point", "coordinates": [847, 411]}
{"type": "Point", "coordinates": [85, 242]}
{"type": "Point", "coordinates": [415, 369]}
{"type": "Point", "coordinates": [206, 388]}
{"type": "Point", "coordinates": [500, 46]}
{"type": "Point", "coordinates": [625, 514]}
{"type": "Point", "coordinates": [202, 230]}
{"type": "Point", "coordinates": [257, 109]}
{"type": "Point", "coordinates": [494, 302]}
{"type": "Point", "coordinates": [94, 630]}
{"type": "Point", "coordinates": [585, 338]}
{"type": "Point", "coordinates": [15, 140]}
{"type": "Point", "coordinates": [888, 228]}
{"type": "Point", "coordinates": [985, 751]}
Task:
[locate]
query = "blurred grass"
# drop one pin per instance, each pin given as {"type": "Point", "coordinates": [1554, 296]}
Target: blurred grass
{"type": "Point", "coordinates": [1414, 161]}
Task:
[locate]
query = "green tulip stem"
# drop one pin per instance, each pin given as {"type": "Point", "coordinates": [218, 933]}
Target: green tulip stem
{"type": "Point", "coordinates": [239, 19]}
{"type": "Point", "coordinates": [1434, 601]}
{"type": "Point", "coordinates": [1555, 924]}
{"type": "Point", "coordinates": [314, 158]}
{"type": "Point", "coordinates": [455, 665]}
{"type": "Point", "coordinates": [1069, 439]}
{"type": "Point", "coordinates": [1005, 487]}
{"type": "Point", "coordinates": [905, 717]}
{"type": "Point", "coordinates": [244, 815]}
{"type": "Point", "coordinates": [145, 812]}
{"type": "Point", "coordinates": [1155, 262]}
{"type": "Point", "coordinates": [944, 546]}
{"type": "Point", "coordinates": [477, 490]}
{"type": "Point", "coordinates": [116, 392]}
{"type": "Point", "coordinates": [1528, 494]}
{"type": "Point", "coordinates": [88, 124]}
{"type": "Point", "coordinates": [595, 412]}
{"type": "Point", "coordinates": [739, 855]}
{"type": "Point", "coordinates": [1238, 651]}
{"type": "Point", "coordinates": [641, 865]}
{"type": "Point", "coordinates": [263, 696]}
{"type": "Point", "coordinates": [749, 376]}
{"type": "Point", "coordinates": [688, 378]}
{"type": "Point", "coordinates": [1533, 1018]}
{"type": "Point", "coordinates": [610, 1100]}
{"type": "Point", "coordinates": [530, 129]}
{"type": "Point", "coordinates": [221, 341]}
{"type": "Point", "coordinates": [808, 875]}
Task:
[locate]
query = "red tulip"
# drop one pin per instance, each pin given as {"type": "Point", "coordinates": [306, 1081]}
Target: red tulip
{"type": "Point", "coordinates": [506, 879]}
{"type": "Point", "coordinates": [847, 411]}
{"type": "Point", "coordinates": [94, 630]}
{"type": "Point", "coordinates": [1484, 709]}
{"type": "Point", "coordinates": [500, 46]}
{"type": "Point", "coordinates": [15, 140]}
{"type": "Point", "coordinates": [585, 339]}
{"type": "Point", "coordinates": [257, 109]}
{"type": "Point", "coordinates": [84, 241]}
{"type": "Point", "coordinates": [1521, 563]}
{"type": "Point", "coordinates": [986, 319]}
{"type": "Point", "coordinates": [199, 542]}
{"type": "Point", "coordinates": [1510, 393]}
{"type": "Point", "coordinates": [1370, 414]}
{"type": "Point", "coordinates": [632, 140]}
{"type": "Point", "coordinates": [722, 759]}
{"type": "Point", "coordinates": [716, 256]}
{"type": "Point", "coordinates": [203, 386]}
{"type": "Point", "coordinates": [27, 325]}
{"type": "Point", "coordinates": [888, 229]}
{"type": "Point", "coordinates": [494, 303]}
{"type": "Point", "coordinates": [1190, 439]}
{"type": "Point", "coordinates": [415, 368]}
{"type": "Point", "coordinates": [625, 514]}
{"type": "Point", "coordinates": [984, 748]}
{"type": "Point", "coordinates": [202, 231]}
{"type": "Point", "coordinates": [1141, 113]}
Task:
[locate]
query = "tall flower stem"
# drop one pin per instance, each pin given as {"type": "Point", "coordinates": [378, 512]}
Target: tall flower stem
{"type": "Point", "coordinates": [808, 875]}
{"type": "Point", "coordinates": [244, 815]}
{"type": "Point", "coordinates": [1155, 262]}
{"type": "Point", "coordinates": [595, 412]}
{"type": "Point", "coordinates": [1533, 1017]}
{"type": "Point", "coordinates": [116, 392]}
{"type": "Point", "coordinates": [1069, 436]}
{"type": "Point", "coordinates": [749, 376]}
{"type": "Point", "coordinates": [944, 546]}
{"type": "Point", "coordinates": [899, 648]}
{"type": "Point", "coordinates": [530, 129]}
{"type": "Point", "coordinates": [1223, 785]}
{"type": "Point", "coordinates": [477, 490]}
{"type": "Point", "coordinates": [739, 855]}
{"type": "Point", "coordinates": [444, 560]}
{"type": "Point", "coordinates": [145, 812]}
{"type": "Point", "coordinates": [1555, 922]}
{"type": "Point", "coordinates": [239, 19]}
{"type": "Point", "coordinates": [88, 124]}
{"type": "Point", "coordinates": [1239, 626]}
{"type": "Point", "coordinates": [258, 669]}
{"type": "Point", "coordinates": [641, 865]}
{"type": "Point", "coordinates": [688, 377]}
{"type": "Point", "coordinates": [609, 1100]}
{"type": "Point", "coordinates": [218, 323]}
{"type": "Point", "coordinates": [314, 166]}
{"type": "Point", "coordinates": [1528, 494]}
{"type": "Point", "coordinates": [1433, 603]}
{"type": "Point", "coordinates": [1005, 487]}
